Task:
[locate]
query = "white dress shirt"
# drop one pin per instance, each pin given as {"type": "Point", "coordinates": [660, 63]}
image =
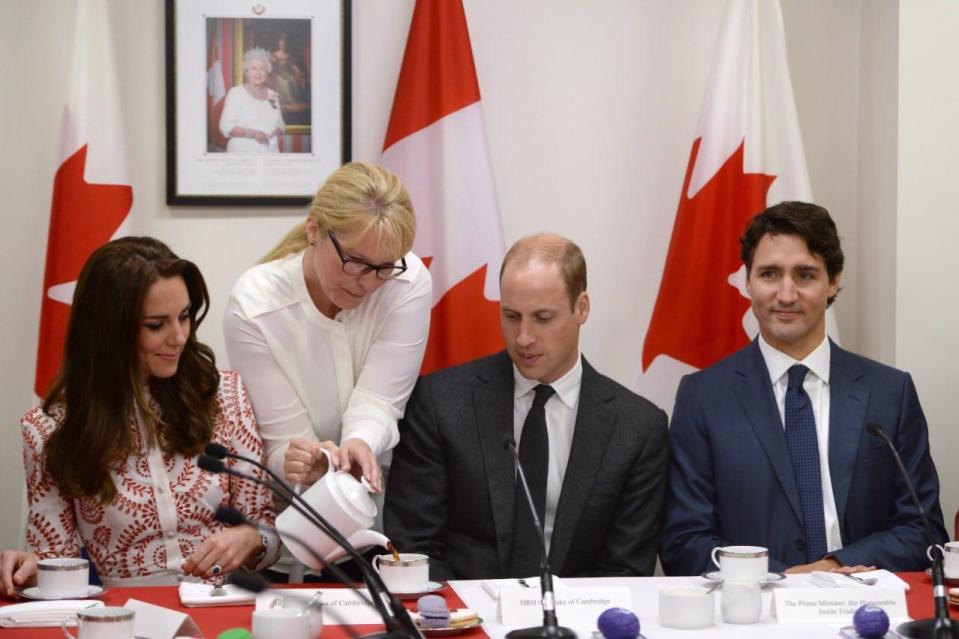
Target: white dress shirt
{"type": "Point", "coordinates": [319, 378]}
{"type": "Point", "coordinates": [560, 410]}
{"type": "Point", "coordinates": [816, 386]}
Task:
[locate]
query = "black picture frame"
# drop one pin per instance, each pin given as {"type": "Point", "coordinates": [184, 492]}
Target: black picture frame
{"type": "Point", "coordinates": [299, 37]}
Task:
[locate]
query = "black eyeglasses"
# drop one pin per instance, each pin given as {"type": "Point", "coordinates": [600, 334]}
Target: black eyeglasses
{"type": "Point", "coordinates": [353, 266]}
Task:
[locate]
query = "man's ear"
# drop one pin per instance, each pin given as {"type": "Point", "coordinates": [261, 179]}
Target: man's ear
{"type": "Point", "coordinates": [581, 309]}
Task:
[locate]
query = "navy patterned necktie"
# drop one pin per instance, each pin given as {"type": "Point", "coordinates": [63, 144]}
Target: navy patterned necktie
{"type": "Point", "coordinates": [803, 447]}
{"type": "Point", "coordinates": [534, 457]}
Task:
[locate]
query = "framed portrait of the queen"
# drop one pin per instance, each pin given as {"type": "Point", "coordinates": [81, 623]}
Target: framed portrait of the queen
{"type": "Point", "coordinates": [258, 99]}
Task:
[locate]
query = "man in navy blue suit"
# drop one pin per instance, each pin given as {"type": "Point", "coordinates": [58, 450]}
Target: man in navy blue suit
{"type": "Point", "coordinates": [770, 447]}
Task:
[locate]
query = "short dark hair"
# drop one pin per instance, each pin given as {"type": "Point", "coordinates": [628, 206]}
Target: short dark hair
{"type": "Point", "coordinates": [809, 221]}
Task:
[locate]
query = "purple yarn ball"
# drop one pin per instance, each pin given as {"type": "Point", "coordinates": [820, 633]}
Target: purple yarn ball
{"type": "Point", "coordinates": [871, 621]}
{"type": "Point", "coordinates": [618, 623]}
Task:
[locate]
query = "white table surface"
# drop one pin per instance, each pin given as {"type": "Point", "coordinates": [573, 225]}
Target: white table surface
{"type": "Point", "coordinates": [645, 597]}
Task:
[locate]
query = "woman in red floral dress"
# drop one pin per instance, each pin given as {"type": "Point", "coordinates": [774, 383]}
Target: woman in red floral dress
{"type": "Point", "coordinates": [110, 456]}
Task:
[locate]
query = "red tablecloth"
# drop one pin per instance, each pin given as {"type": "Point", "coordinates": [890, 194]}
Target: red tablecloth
{"type": "Point", "coordinates": [214, 620]}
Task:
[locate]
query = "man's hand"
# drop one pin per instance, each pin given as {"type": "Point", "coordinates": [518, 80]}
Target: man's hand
{"type": "Point", "coordinates": [227, 549]}
{"type": "Point", "coordinates": [304, 463]}
{"type": "Point", "coordinates": [357, 459]}
{"type": "Point", "coordinates": [828, 564]}
{"type": "Point", "coordinates": [17, 569]}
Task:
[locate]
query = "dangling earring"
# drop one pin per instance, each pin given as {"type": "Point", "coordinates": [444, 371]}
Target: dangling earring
{"type": "Point", "coordinates": [312, 242]}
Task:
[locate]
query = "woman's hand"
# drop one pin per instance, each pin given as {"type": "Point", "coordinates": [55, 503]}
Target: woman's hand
{"type": "Point", "coordinates": [17, 569]}
{"type": "Point", "coordinates": [304, 463]}
{"type": "Point", "coordinates": [259, 136]}
{"type": "Point", "coordinates": [357, 459]}
{"type": "Point", "coordinates": [223, 552]}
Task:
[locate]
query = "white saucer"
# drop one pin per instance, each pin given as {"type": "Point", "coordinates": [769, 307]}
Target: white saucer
{"type": "Point", "coordinates": [431, 587]}
{"type": "Point", "coordinates": [713, 575]}
{"type": "Point", "coordinates": [449, 630]}
{"type": "Point", "coordinates": [35, 594]}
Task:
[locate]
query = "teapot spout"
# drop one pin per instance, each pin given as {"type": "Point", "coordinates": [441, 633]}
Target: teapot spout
{"type": "Point", "coordinates": [365, 538]}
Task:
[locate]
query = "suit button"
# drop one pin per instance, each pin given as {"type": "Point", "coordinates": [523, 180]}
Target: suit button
{"type": "Point", "coordinates": [801, 544]}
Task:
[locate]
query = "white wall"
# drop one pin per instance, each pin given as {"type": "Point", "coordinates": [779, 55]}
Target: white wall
{"type": "Point", "coordinates": [590, 111]}
{"type": "Point", "coordinates": [927, 260]}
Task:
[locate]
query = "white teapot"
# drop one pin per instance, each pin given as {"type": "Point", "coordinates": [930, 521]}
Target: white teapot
{"type": "Point", "coordinates": [344, 502]}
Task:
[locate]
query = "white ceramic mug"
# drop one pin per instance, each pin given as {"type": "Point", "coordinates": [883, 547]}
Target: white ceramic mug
{"type": "Point", "coordinates": [63, 576]}
{"type": "Point", "coordinates": [410, 574]}
{"type": "Point", "coordinates": [287, 623]}
{"type": "Point", "coordinates": [742, 601]}
{"type": "Point", "coordinates": [950, 563]}
{"type": "Point", "coordinates": [686, 608]}
{"type": "Point", "coordinates": [742, 562]}
{"type": "Point", "coordinates": [109, 622]}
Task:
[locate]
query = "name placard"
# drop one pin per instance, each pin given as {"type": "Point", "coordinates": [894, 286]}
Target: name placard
{"type": "Point", "coordinates": [340, 605]}
{"type": "Point", "coordinates": [835, 605]}
{"type": "Point", "coordinates": [574, 606]}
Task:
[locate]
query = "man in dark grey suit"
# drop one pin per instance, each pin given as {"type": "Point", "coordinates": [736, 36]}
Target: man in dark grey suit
{"type": "Point", "coordinates": [594, 452]}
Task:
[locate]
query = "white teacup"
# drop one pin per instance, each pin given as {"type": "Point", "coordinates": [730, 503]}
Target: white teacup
{"type": "Point", "coordinates": [950, 563]}
{"type": "Point", "coordinates": [742, 601]}
{"type": "Point", "coordinates": [63, 576]}
{"type": "Point", "coordinates": [410, 574]}
{"type": "Point", "coordinates": [742, 562]}
{"type": "Point", "coordinates": [109, 622]}
{"type": "Point", "coordinates": [288, 623]}
{"type": "Point", "coordinates": [686, 608]}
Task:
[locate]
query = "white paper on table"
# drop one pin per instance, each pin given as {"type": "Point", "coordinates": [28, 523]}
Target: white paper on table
{"type": "Point", "coordinates": [341, 606]}
{"type": "Point", "coordinates": [493, 587]}
{"type": "Point", "coordinates": [835, 605]}
{"type": "Point", "coordinates": [574, 605]}
{"type": "Point", "coordinates": [195, 595]}
{"type": "Point", "coordinates": [43, 614]}
{"type": "Point", "coordinates": [157, 622]}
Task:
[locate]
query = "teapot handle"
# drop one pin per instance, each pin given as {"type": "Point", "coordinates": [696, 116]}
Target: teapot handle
{"type": "Point", "coordinates": [333, 467]}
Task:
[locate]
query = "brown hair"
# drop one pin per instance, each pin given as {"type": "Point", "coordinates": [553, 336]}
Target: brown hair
{"type": "Point", "coordinates": [802, 219]}
{"type": "Point", "coordinates": [100, 382]}
{"type": "Point", "coordinates": [555, 249]}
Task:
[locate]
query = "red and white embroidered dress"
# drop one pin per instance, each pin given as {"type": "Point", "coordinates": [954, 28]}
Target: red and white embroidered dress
{"type": "Point", "coordinates": [164, 505]}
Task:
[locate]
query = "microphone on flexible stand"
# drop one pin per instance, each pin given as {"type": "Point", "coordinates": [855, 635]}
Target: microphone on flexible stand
{"type": "Point", "coordinates": [398, 623]}
{"type": "Point", "coordinates": [254, 582]}
{"type": "Point", "coordinates": [550, 627]}
{"type": "Point", "coordinates": [940, 626]}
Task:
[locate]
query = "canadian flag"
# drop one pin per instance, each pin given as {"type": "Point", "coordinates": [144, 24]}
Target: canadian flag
{"type": "Point", "coordinates": [91, 192]}
{"type": "Point", "coordinates": [219, 40]}
{"type": "Point", "coordinates": [436, 143]}
{"type": "Point", "coordinates": [746, 155]}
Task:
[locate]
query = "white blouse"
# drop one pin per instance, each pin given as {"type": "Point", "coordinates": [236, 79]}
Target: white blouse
{"type": "Point", "coordinates": [164, 505]}
{"type": "Point", "coordinates": [327, 379]}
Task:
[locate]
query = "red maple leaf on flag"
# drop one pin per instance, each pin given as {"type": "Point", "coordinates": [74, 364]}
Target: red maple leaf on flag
{"type": "Point", "coordinates": [698, 314]}
{"type": "Point", "coordinates": [83, 217]}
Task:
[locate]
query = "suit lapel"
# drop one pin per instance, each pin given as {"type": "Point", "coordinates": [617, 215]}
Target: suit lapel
{"type": "Point", "coordinates": [755, 393]}
{"type": "Point", "coordinates": [594, 426]}
{"type": "Point", "coordinates": [493, 408]}
{"type": "Point", "coordinates": [847, 411]}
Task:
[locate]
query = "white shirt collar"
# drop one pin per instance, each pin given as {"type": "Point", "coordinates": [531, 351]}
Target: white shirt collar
{"type": "Point", "coordinates": [777, 362]}
{"type": "Point", "coordinates": [566, 387]}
